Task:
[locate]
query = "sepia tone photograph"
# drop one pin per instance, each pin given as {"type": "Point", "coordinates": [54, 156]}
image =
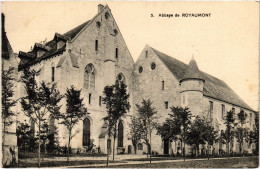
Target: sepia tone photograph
{"type": "Point", "coordinates": [130, 84]}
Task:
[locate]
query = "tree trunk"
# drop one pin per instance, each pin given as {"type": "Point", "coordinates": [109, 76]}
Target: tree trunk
{"type": "Point", "coordinates": [150, 147]}
{"type": "Point", "coordinates": [3, 145]}
{"type": "Point", "coordinates": [242, 147]}
{"type": "Point", "coordinates": [68, 150]}
{"type": "Point", "coordinates": [39, 145]}
{"type": "Point", "coordinates": [208, 151]}
{"type": "Point", "coordinates": [228, 149]}
{"type": "Point", "coordinates": [175, 148]}
{"type": "Point", "coordinates": [197, 150]}
{"type": "Point", "coordinates": [108, 150]}
{"type": "Point", "coordinates": [114, 147]}
{"type": "Point", "coordinates": [183, 148]}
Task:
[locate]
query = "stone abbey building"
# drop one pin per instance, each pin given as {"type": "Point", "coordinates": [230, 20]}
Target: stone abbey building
{"type": "Point", "coordinates": [94, 54]}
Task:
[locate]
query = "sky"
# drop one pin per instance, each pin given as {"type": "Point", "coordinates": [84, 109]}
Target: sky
{"type": "Point", "coordinates": [225, 45]}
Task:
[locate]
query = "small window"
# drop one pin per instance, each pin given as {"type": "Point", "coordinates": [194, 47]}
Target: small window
{"type": "Point", "coordinates": [140, 146]}
{"type": "Point", "coordinates": [115, 32]}
{"type": "Point", "coordinates": [223, 111]}
{"type": "Point", "coordinates": [153, 66]}
{"type": "Point", "coordinates": [119, 77]}
{"type": "Point", "coordinates": [98, 24]}
{"type": "Point", "coordinates": [210, 108]}
{"type": "Point", "coordinates": [89, 98]}
{"type": "Point", "coordinates": [96, 45]}
{"type": "Point", "coordinates": [233, 110]}
{"type": "Point", "coordinates": [116, 53]}
{"type": "Point", "coordinates": [140, 69]}
{"type": "Point", "coordinates": [107, 15]}
{"type": "Point", "coordinates": [250, 120]}
{"type": "Point", "coordinates": [52, 74]}
{"type": "Point", "coordinates": [162, 85]}
{"type": "Point", "coordinates": [100, 100]}
{"type": "Point", "coordinates": [146, 53]}
{"type": "Point", "coordinates": [166, 105]}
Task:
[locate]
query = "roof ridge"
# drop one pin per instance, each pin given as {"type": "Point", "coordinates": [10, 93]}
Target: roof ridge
{"type": "Point", "coordinates": [214, 87]}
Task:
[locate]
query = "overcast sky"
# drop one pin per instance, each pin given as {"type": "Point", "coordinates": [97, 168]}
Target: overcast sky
{"type": "Point", "coordinates": [224, 45]}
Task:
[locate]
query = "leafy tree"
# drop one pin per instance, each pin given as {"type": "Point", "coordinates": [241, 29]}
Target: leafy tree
{"type": "Point", "coordinates": [117, 104]}
{"type": "Point", "coordinates": [40, 100]}
{"type": "Point", "coordinates": [182, 118]}
{"type": "Point", "coordinates": [44, 136]}
{"type": "Point", "coordinates": [135, 133]}
{"type": "Point", "coordinates": [168, 130]}
{"type": "Point", "coordinates": [75, 110]}
{"type": "Point", "coordinates": [53, 143]}
{"type": "Point", "coordinates": [148, 120]}
{"type": "Point", "coordinates": [196, 134]}
{"type": "Point", "coordinates": [25, 138]}
{"type": "Point", "coordinates": [253, 136]}
{"type": "Point", "coordinates": [229, 132]}
{"type": "Point", "coordinates": [210, 134]}
{"type": "Point", "coordinates": [241, 132]}
{"type": "Point", "coordinates": [8, 102]}
{"type": "Point", "coordinates": [256, 132]}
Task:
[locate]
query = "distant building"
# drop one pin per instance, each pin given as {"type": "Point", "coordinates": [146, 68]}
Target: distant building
{"type": "Point", "coordinates": [94, 54]}
{"type": "Point", "coordinates": [9, 60]}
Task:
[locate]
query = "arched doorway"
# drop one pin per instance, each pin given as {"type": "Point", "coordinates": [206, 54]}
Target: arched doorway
{"type": "Point", "coordinates": [86, 132]}
{"type": "Point", "coordinates": [129, 149]}
{"type": "Point", "coordinates": [120, 134]}
{"type": "Point", "coordinates": [166, 146]}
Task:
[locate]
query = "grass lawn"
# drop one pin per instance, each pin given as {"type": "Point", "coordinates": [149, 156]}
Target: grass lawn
{"type": "Point", "coordinates": [23, 164]}
{"type": "Point", "coordinates": [247, 162]}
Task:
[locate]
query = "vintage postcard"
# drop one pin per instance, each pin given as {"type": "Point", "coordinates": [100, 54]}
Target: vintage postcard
{"type": "Point", "coordinates": [130, 84]}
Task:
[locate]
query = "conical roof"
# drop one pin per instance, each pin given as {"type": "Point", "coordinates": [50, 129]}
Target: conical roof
{"type": "Point", "coordinates": [192, 72]}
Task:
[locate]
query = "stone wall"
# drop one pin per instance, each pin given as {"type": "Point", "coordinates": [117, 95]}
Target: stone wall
{"type": "Point", "coordinates": [148, 84]}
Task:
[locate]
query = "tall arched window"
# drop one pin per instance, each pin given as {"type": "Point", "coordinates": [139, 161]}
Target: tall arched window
{"type": "Point", "coordinates": [86, 132]}
{"type": "Point", "coordinates": [89, 77]}
{"type": "Point", "coordinates": [120, 134]}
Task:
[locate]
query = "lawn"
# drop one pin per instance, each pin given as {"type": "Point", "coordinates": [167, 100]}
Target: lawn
{"type": "Point", "coordinates": [23, 164]}
{"type": "Point", "coordinates": [247, 162]}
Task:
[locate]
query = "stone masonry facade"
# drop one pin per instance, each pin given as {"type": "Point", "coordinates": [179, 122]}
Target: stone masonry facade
{"type": "Point", "coordinates": [94, 55]}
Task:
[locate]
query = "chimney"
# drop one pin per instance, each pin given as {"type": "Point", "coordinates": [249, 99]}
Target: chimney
{"type": "Point", "coordinates": [3, 23]}
{"type": "Point", "coordinates": [100, 7]}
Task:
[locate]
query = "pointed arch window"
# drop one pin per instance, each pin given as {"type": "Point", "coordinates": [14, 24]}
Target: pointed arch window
{"type": "Point", "coordinates": [120, 134]}
{"type": "Point", "coordinates": [89, 77]}
{"type": "Point", "coordinates": [86, 132]}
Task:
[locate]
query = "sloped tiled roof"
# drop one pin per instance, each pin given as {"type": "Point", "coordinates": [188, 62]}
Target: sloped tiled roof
{"type": "Point", "coordinates": [192, 71]}
{"type": "Point", "coordinates": [52, 48]}
{"type": "Point", "coordinates": [213, 87]}
{"type": "Point", "coordinates": [72, 33]}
